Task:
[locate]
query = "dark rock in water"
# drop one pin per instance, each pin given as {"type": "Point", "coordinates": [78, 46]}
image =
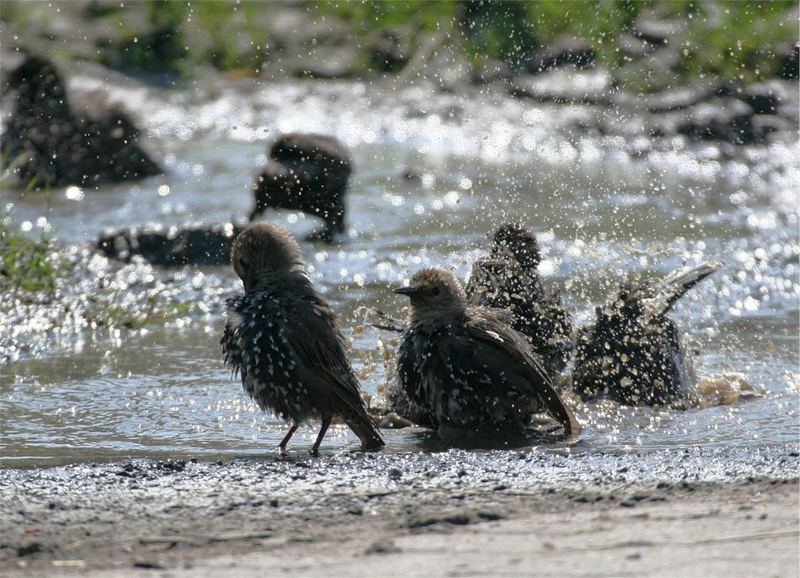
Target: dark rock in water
{"type": "Point", "coordinates": [172, 248]}
{"type": "Point", "coordinates": [565, 85]}
{"type": "Point", "coordinates": [387, 51]}
{"type": "Point", "coordinates": [766, 97]}
{"type": "Point", "coordinates": [767, 124]}
{"type": "Point", "coordinates": [564, 51]}
{"type": "Point", "coordinates": [49, 144]}
{"type": "Point", "coordinates": [309, 173]}
{"type": "Point", "coordinates": [790, 62]}
{"type": "Point", "coordinates": [633, 352]}
{"type": "Point", "coordinates": [728, 120]}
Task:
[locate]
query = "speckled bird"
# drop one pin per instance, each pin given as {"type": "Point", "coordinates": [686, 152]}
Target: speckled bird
{"type": "Point", "coordinates": [633, 352]}
{"type": "Point", "coordinates": [283, 338]}
{"type": "Point", "coordinates": [466, 367]}
{"type": "Point", "coordinates": [309, 173]}
{"type": "Point", "coordinates": [508, 279]}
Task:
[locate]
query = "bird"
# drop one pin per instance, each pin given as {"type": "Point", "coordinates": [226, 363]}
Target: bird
{"type": "Point", "coordinates": [466, 367]}
{"type": "Point", "coordinates": [632, 353]}
{"type": "Point", "coordinates": [309, 173]}
{"type": "Point", "coordinates": [283, 338]}
{"type": "Point", "coordinates": [508, 279]}
{"type": "Point", "coordinates": [50, 145]}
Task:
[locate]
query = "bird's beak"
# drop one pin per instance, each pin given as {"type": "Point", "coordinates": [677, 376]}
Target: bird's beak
{"type": "Point", "coordinates": [408, 291]}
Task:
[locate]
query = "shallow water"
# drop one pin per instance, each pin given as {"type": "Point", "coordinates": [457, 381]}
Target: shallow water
{"type": "Point", "coordinates": [605, 208]}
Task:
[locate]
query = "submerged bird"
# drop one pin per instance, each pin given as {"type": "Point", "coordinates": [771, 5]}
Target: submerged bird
{"type": "Point", "coordinates": [508, 279]}
{"type": "Point", "coordinates": [464, 367]}
{"type": "Point", "coordinates": [282, 337]}
{"type": "Point", "coordinates": [309, 173]}
{"type": "Point", "coordinates": [632, 353]}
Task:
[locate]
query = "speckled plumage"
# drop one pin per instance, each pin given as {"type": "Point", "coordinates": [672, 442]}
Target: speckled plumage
{"type": "Point", "coordinates": [633, 352]}
{"type": "Point", "coordinates": [466, 368]}
{"type": "Point", "coordinates": [282, 337]}
{"type": "Point", "coordinates": [508, 279]}
{"type": "Point", "coordinates": [307, 172]}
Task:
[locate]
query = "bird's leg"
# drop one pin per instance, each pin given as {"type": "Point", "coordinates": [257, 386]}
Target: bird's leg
{"type": "Point", "coordinates": [326, 421]}
{"type": "Point", "coordinates": [287, 437]}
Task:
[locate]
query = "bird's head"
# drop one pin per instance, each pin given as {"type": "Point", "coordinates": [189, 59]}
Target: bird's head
{"type": "Point", "coordinates": [434, 292]}
{"type": "Point", "coordinates": [265, 254]}
{"type": "Point", "coordinates": [516, 242]}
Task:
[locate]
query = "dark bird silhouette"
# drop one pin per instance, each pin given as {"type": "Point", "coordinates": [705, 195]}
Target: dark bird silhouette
{"type": "Point", "coordinates": [49, 144]}
{"type": "Point", "coordinates": [282, 337]}
{"type": "Point", "coordinates": [466, 368]}
{"type": "Point", "coordinates": [309, 173]}
{"type": "Point", "coordinates": [508, 279]}
{"type": "Point", "coordinates": [632, 353]}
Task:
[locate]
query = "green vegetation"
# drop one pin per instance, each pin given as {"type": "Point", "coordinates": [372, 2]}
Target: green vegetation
{"type": "Point", "coordinates": [36, 270]}
{"type": "Point", "coordinates": [725, 38]}
{"type": "Point", "coordinates": [29, 265]}
{"type": "Point", "coordinates": [722, 38]}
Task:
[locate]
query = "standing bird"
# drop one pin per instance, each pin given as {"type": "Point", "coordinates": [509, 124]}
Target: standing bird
{"type": "Point", "coordinates": [282, 337]}
{"type": "Point", "coordinates": [509, 279]}
{"type": "Point", "coordinates": [309, 173]}
{"type": "Point", "coordinates": [466, 367]}
{"type": "Point", "coordinates": [632, 353]}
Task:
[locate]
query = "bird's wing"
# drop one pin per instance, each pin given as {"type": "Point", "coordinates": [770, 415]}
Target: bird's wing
{"type": "Point", "coordinates": [230, 337]}
{"type": "Point", "coordinates": [676, 284]}
{"type": "Point", "coordinates": [499, 348]}
{"type": "Point", "coordinates": [312, 332]}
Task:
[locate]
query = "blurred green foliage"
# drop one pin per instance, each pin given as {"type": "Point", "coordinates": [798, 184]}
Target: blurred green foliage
{"type": "Point", "coordinates": [724, 38]}
{"type": "Point", "coordinates": [29, 265]}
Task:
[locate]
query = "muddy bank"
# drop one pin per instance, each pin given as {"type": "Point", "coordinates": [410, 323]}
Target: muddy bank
{"type": "Point", "coordinates": [298, 513]}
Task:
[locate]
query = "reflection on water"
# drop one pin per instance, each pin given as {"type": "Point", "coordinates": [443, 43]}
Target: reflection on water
{"type": "Point", "coordinates": [602, 214]}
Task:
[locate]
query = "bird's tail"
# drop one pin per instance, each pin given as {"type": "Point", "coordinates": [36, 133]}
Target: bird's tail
{"type": "Point", "coordinates": [677, 283]}
{"type": "Point", "coordinates": [363, 426]}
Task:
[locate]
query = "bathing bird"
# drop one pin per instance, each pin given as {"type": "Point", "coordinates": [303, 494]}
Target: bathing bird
{"type": "Point", "coordinates": [632, 353]}
{"type": "Point", "coordinates": [308, 173]}
{"type": "Point", "coordinates": [508, 279]}
{"type": "Point", "coordinates": [466, 367]}
{"type": "Point", "coordinates": [51, 141]}
{"type": "Point", "coordinates": [282, 337]}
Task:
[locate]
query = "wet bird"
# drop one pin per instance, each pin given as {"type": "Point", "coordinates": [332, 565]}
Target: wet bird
{"type": "Point", "coordinates": [283, 338]}
{"type": "Point", "coordinates": [48, 143]}
{"type": "Point", "coordinates": [508, 279]}
{"type": "Point", "coordinates": [466, 367]}
{"type": "Point", "coordinates": [309, 173]}
{"type": "Point", "coordinates": [633, 353]}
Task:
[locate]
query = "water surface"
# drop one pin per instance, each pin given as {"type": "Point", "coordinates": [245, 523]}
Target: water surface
{"type": "Point", "coordinates": [605, 208]}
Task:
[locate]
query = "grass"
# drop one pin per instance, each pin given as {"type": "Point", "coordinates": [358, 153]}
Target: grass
{"type": "Point", "coordinates": [29, 265]}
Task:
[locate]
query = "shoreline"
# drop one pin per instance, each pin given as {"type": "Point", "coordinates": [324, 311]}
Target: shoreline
{"type": "Point", "coordinates": [450, 513]}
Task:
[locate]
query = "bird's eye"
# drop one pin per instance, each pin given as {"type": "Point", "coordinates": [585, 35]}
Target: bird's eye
{"type": "Point", "coordinates": [435, 291]}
